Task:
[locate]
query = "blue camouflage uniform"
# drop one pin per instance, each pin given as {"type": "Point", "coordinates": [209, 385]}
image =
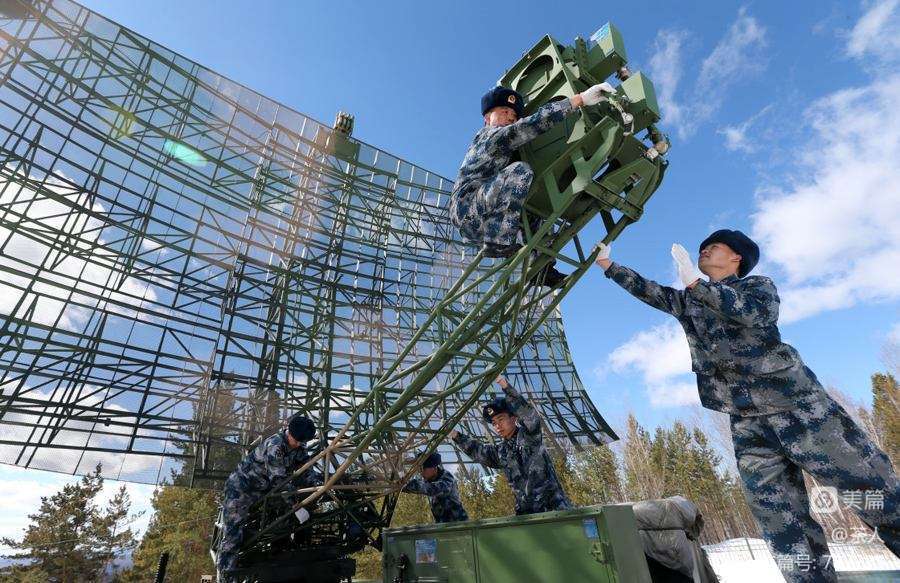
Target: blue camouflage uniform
{"type": "Point", "coordinates": [487, 198]}
{"type": "Point", "coordinates": [523, 459]}
{"type": "Point", "coordinates": [267, 464]}
{"type": "Point", "coordinates": [443, 496]}
{"type": "Point", "coordinates": [782, 420]}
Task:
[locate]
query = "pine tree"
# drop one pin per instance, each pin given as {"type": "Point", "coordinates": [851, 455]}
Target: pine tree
{"type": "Point", "coordinates": [183, 517]}
{"type": "Point", "coordinates": [590, 476]}
{"type": "Point", "coordinates": [492, 499]}
{"type": "Point", "coordinates": [70, 537]}
{"type": "Point", "coordinates": [182, 524]}
{"type": "Point", "coordinates": [643, 476]}
{"type": "Point", "coordinates": [886, 414]}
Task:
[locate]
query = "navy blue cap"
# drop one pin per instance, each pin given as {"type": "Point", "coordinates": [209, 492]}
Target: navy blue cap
{"type": "Point", "coordinates": [740, 244]}
{"type": "Point", "coordinates": [505, 97]}
{"type": "Point", "coordinates": [301, 428]}
{"type": "Point", "coordinates": [432, 461]}
{"type": "Point", "coordinates": [495, 407]}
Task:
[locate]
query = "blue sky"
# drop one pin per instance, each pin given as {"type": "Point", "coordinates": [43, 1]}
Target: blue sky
{"type": "Point", "coordinates": [782, 115]}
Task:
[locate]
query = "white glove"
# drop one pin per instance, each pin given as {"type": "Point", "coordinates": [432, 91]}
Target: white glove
{"type": "Point", "coordinates": [687, 271]}
{"type": "Point", "coordinates": [604, 250]}
{"type": "Point", "coordinates": [594, 95]}
{"type": "Point", "coordinates": [603, 255]}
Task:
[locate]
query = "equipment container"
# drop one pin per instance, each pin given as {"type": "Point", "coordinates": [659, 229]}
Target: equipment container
{"type": "Point", "coordinates": [591, 544]}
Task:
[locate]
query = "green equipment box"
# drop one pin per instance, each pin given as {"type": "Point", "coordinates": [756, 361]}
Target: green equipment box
{"type": "Point", "coordinates": [590, 544]}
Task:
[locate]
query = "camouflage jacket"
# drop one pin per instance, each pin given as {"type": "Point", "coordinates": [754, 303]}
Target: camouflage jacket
{"type": "Point", "coordinates": [493, 147]}
{"type": "Point", "coordinates": [523, 459]}
{"type": "Point", "coordinates": [742, 366]}
{"type": "Point", "coordinates": [267, 464]}
{"type": "Point", "coordinates": [443, 496]}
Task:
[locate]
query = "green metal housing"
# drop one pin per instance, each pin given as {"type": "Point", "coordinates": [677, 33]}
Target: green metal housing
{"type": "Point", "coordinates": [584, 157]}
{"type": "Point", "coordinates": [595, 543]}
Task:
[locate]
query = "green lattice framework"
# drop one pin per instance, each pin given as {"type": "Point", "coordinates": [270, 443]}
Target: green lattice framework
{"type": "Point", "coordinates": [173, 244]}
{"type": "Point", "coordinates": [185, 263]}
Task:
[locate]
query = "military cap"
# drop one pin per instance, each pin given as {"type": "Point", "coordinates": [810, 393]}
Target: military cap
{"type": "Point", "coordinates": [740, 244]}
{"type": "Point", "coordinates": [432, 461]}
{"type": "Point", "coordinates": [495, 407]}
{"type": "Point", "coordinates": [502, 96]}
{"type": "Point", "coordinates": [301, 428]}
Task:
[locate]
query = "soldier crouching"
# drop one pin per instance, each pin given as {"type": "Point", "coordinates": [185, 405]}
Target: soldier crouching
{"type": "Point", "coordinates": [490, 190]}
{"type": "Point", "coordinates": [439, 486]}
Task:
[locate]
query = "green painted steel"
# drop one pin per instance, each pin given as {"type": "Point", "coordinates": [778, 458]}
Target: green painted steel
{"type": "Point", "coordinates": [593, 164]}
{"type": "Point", "coordinates": [552, 71]}
{"type": "Point", "coordinates": [185, 263]}
{"type": "Point", "coordinates": [591, 544]}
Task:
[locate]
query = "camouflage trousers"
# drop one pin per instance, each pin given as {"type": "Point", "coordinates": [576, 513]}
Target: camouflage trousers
{"type": "Point", "coordinates": [822, 439]}
{"type": "Point", "coordinates": [493, 213]}
{"type": "Point", "coordinates": [234, 510]}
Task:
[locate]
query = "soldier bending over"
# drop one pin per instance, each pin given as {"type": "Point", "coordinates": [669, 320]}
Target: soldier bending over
{"type": "Point", "coordinates": [782, 420]}
{"type": "Point", "coordinates": [440, 487]}
{"type": "Point", "coordinates": [268, 463]}
{"type": "Point", "coordinates": [521, 455]}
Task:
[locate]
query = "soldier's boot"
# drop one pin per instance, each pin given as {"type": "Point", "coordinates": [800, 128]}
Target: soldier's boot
{"type": "Point", "coordinates": [549, 277]}
{"type": "Point", "coordinates": [497, 251]}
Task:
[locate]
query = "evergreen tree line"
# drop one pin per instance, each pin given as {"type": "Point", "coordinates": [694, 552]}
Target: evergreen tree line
{"type": "Point", "coordinates": [71, 538]}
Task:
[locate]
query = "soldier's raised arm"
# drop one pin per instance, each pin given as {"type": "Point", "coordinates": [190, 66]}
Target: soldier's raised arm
{"type": "Point", "coordinates": [661, 297]}
{"type": "Point", "coordinates": [476, 449]}
{"type": "Point", "coordinates": [522, 408]}
{"type": "Point", "coordinates": [517, 134]}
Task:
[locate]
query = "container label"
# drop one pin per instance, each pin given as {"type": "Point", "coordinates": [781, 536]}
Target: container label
{"type": "Point", "coordinates": [426, 550]}
{"type": "Point", "coordinates": [590, 528]}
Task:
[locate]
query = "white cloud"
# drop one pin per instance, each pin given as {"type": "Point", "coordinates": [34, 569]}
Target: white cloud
{"type": "Point", "coordinates": [833, 231]}
{"type": "Point", "coordinates": [33, 424]}
{"type": "Point", "coordinates": [736, 56]}
{"type": "Point", "coordinates": [736, 136]}
{"type": "Point", "coordinates": [662, 358]}
{"type": "Point", "coordinates": [666, 68]}
{"type": "Point", "coordinates": [674, 394]}
{"type": "Point", "coordinates": [658, 353]}
{"type": "Point", "coordinates": [893, 335]}
{"type": "Point", "coordinates": [66, 276]}
{"type": "Point", "coordinates": [877, 33]}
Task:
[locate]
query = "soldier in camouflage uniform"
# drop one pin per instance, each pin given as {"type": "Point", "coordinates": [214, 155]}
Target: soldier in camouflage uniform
{"type": "Point", "coordinates": [782, 420]}
{"type": "Point", "coordinates": [487, 198]}
{"type": "Point", "coordinates": [268, 463]}
{"type": "Point", "coordinates": [521, 455]}
{"type": "Point", "coordinates": [440, 487]}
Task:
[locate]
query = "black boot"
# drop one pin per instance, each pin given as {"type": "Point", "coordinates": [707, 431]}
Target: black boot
{"type": "Point", "coordinates": [549, 277]}
{"type": "Point", "coordinates": [504, 251]}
